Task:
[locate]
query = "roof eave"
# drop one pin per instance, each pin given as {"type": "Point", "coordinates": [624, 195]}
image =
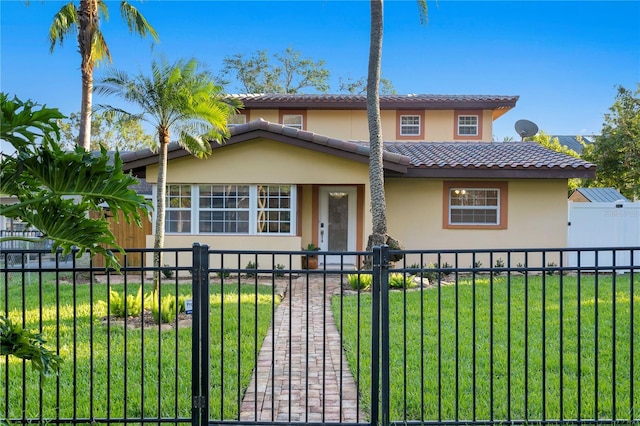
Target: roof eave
{"type": "Point", "coordinates": [502, 173]}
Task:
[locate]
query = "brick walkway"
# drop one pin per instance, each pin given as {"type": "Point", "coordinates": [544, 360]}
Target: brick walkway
{"type": "Point", "coordinates": [303, 380]}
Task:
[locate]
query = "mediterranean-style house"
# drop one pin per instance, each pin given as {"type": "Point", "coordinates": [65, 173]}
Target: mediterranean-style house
{"type": "Point", "coordinates": [295, 171]}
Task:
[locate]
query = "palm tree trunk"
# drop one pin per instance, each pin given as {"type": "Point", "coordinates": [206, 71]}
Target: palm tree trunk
{"type": "Point", "coordinates": [87, 26]}
{"type": "Point", "coordinates": [376, 172]}
{"type": "Point", "coordinates": [161, 201]}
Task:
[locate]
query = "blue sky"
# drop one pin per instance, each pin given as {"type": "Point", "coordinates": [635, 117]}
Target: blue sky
{"type": "Point", "coordinates": [563, 59]}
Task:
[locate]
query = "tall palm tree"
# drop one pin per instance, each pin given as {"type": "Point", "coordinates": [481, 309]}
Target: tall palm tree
{"type": "Point", "coordinates": [178, 97]}
{"type": "Point", "coordinates": [85, 20]}
{"type": "Point", "coordinates": [378, 234]}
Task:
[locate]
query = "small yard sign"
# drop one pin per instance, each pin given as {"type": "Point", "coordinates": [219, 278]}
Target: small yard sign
{"type": "Point", "coordinates": [188, 306]}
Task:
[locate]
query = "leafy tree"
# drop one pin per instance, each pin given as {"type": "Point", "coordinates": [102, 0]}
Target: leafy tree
{"type": "Point", "coordinates": [179, 98]}
{"type": "Point", "coordinates": [290, 74]}
{"type": "Point", "coordinates": [123, 135]}
{"type": "Point", "coordinates": [55, 189]}
{"type": "Point", "coordinates": [616, 152]}
{"type": "Point", "coordinates": [85, 21]}
{"type": "Point", "coordinates": [378, 234]}
{"type": "Point", "coordinates": [359, 86]}
{"type": "Point", "coordinates": [545, 140]}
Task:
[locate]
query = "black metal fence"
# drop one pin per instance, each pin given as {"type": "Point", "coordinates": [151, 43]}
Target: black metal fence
{"type": "Point", "coordinates": [236, 337]}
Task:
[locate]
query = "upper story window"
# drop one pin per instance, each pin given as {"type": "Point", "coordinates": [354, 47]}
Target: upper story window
{"type": "Point", "coordinates": [468, 125]}
{"type": "Point", "coordinates": [293, 120]}
{"type": "Point", "coordinates": [410, 124]}
{"type": "Point", "coordinates": [475, 205]}
{"type": "Point", "coordinates": [236, 119]}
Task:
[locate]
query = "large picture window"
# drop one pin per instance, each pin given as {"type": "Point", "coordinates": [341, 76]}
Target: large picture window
{"type": "Point", "coordinates": [231, 209]}
{"type": "Point", "coordinates": [475, 205]}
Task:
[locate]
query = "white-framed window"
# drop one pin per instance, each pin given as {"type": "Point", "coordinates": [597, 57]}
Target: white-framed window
{"type": "Point", "coordinates": [409, 125]}
{"type": "Point", "coordinates": [274, 209]}
{"type": "Point", "coordinates": [236, 119]}
{"type": "Point", "coordinates": [231, 209]}
{"type": "Point", "coordinates": [468, 125]}
{"type": "Point", "coordinates": [223, 209]}
{"type": "Point", "coordinates": [178, 209]}
{"type": "Point", "coordinates": [474, 206]}
{"type": "Point", "coordinates": [293, 120]}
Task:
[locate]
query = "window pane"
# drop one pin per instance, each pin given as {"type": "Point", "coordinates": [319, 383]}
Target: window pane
{"type": "Point", "coordinates": [474, 206]}
{"type": "Point", "coordinates": [274, 209]}
{"type": "Point", "coordinates": [292, 120]}
{"type": "Point", "coordinates": [409, 125]}
{"type": "Point", "coordinates": [178, 221]}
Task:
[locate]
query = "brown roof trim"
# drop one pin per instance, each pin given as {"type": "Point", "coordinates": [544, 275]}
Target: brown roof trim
{"type": "Point", "coordinates": [487, 173]}
{"type": "Point", "coordinates": [345, 101]}
{"type": "Point", "coordinates": [264, 129]}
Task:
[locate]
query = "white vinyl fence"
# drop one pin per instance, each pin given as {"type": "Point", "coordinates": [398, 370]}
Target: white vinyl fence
{"type": "Point", "coordinates": [604, 225]}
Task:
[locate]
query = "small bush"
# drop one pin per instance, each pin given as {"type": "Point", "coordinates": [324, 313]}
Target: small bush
{"type": "Point", "coordinates": [499, 264]}
{"type": "Point", "coordinates": [400, 280]}
{"type": "Point", "coordinates": [359, 281]}
{"type": "Point", "coordinates": [477, 264]}
{"type": "Point", "coordinates": [167, 271]}
{"type": "Point", "coordinates": [166, 309]}
{"type": "Point", "coordinates": [551, 272]}
{"type": "Point", "coordinates": [251, 265]}
{"type": "Point", "coordinates": [223, 274]}
{"type": "Point", "coordinates": [122, 306]}
{"type": "Point", "coordinates": [279, 267]}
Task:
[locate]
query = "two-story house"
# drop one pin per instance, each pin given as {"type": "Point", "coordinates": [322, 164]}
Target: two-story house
{"type": "Point", "coordinates": [295, 170]}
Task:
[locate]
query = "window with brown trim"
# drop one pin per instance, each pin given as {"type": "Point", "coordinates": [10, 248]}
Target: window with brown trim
{"type": "Point", "coordinates": [468, 125]}
{"type": "Point", "coordinates": [410, 124]}
{"type": "Point", "coordinates": [296, 119]}
{"type": "Point", "coordinates": [475, 205]}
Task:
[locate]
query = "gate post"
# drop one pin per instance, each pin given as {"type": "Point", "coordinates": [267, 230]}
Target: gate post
{"type": "Point", "coordinates": [380, 337]}
{"type": "Point", "coordinates": [200, 336]}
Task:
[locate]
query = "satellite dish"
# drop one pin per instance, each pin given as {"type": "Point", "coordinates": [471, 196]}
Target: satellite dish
{"type": "Point", "coordinates": [526, 128]}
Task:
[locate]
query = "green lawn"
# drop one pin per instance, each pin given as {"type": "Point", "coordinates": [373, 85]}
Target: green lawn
{"type": "Point", "coordinates": [111, 373]}
{"type": "Point", "coordinates": [521, 372]}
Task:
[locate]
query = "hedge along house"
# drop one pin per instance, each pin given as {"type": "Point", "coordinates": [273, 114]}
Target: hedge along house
{"type": "Point", "coordinates": [295, 171]}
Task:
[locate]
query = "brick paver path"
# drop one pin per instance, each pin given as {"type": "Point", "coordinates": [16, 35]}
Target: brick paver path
{"type": "Point", "coordinates": [307, 377]}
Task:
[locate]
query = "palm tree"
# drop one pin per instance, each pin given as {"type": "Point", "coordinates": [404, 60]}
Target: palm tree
{"type": "Point", "coordinates": [376, 173]}
{"type": "Point", "coordinates": [176, 97]}
{"type": "Point", "coordinates": [85, 20]}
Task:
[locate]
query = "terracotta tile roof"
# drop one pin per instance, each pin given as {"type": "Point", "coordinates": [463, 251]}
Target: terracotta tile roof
{"type": "Point", "coordinates": [348, 101]}
{"type": "Point", "coordinates": [528, 159]}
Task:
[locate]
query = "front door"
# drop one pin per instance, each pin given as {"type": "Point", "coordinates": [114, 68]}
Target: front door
{"type": "Point", "coordinates": [337, 222]}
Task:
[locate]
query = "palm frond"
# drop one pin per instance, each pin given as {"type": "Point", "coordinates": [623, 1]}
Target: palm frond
{"type": "Point", "coordinates": [136, 22]}
{"type": "Point", "coordinates": [99, 49]}
{"type": "Point", "coordinates": [64, 22]}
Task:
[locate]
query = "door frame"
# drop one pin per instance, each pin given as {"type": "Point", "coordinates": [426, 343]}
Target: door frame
{"type": "Point", "coordinates": [352, 235]}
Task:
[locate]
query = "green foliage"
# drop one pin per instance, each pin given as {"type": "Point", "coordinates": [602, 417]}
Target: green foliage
{"type": "Point", "coordinates": [167, 271]}
{"type": "Point", "coordinates": [16, 341]}
{"type": "Point", "coordinates": [401, 281]}
{"type": "Point", "coordinates": [360, 281]}
{"type": "Point", "coordinates": [125, 305]}
{"type": "Point", "coordinates": [280, 267]}
{"type": "Point", "coordinates": [551, 271]}
{"type": "Point", "coordinates": [554, 144]}
{"type": "Point", "coordinates": [165, 309]}
{"type": "Point", "coordinates": [311, 247]}
{"type": "Point", "coordinates": [45, 179]}
{"type": "Point", "coordinates": [251, 265]}
{"type": "Point", "coordinates": [223, 274]}
{"type": "Point", "coordinates": [499, 264]}
{"type": "Point", "coordinates": [616, 152]}
{"type": "Point", "coordinates": [107, 131]}
{"type": "Point", "coordinates": [289, 74]}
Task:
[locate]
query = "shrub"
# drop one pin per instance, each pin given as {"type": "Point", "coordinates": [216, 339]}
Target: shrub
{"type": "Point", "coordinates": [279, 267]}
{"type": "Point", "coordinates": [166, 309]}
{"type": "Point", "coordinates": [551, 272]}
{"type": "Point", "coordinates": [223, 274]}
{"type": "Point", "coordinates": [360, 281]}
{"type": "Point", "coordinates": [400, 280]}
{"type": "Point", "coordinates": [167, 271]}
{"type": "Point", "coordinates": [251, 265]}
{"type": "Point", "coordinates": [499, 264]}
{"type": "Point", "coordinates": [121, 305]}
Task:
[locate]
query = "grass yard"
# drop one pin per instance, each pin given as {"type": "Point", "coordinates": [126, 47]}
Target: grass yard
{"type": "Point", "coordinates": [115, 373]}
{"type": "Point", "coordinates": [524, 348]}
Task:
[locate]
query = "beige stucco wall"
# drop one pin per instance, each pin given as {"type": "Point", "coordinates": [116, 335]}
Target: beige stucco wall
{"type": "Point", "coordinates": [353, 125]}
{"type": "Point", "coordinates": [537, 217]}
{"type": "Point", "coordinates": [264, 161]}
